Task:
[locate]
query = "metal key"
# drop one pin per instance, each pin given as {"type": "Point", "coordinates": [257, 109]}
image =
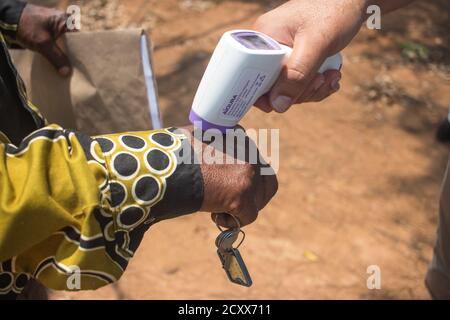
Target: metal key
{"type": "Point", "coordinates": [231, 258]}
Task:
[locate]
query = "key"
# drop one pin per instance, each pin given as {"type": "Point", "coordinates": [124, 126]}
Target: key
{"type": "Point", "coordinates": [226, 239]}
{"type": "Point", "coordinates": [235, 267]}
{"type": "Point", "coordinates": [231, 258]}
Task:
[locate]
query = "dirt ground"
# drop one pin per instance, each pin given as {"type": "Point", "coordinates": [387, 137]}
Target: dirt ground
{"type": "Point", "coordinates": [359, 173]}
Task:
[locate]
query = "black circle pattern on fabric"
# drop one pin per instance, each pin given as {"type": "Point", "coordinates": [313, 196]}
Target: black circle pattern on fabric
{"type": "Point", "coordinates": [6, 279]}
{"type": "Point", "coordinates": [164, 139]}
{"type": "Point", "coordinates": [108, 231]}
{"type": "Point", "coordinates": [131, 215]}
{"type": "Point", "coordinates": [125, 164]}
{"type": "Point", "coordinates": [21, 281]}
{"type": "Point", "coordinates": [106, 144]}
{"type": "Point", "coordinates": [157, 160]}
{"type": "Point", "coordinates": [118, 194]}
{"type": "Point", "coordinates": [133, 142]}
{"type": "Point", "coordinates": [121, 238]}
{"type": "Point", "coordinates": [146, 188]}
{"type": "Point", "coordinates": [140, 163]}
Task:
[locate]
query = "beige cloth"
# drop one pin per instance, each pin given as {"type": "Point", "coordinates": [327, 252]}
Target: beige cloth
{"type": "Point", "coordinates": [438, 276]}
{"type": "Point", "coordinates": [107, 92]}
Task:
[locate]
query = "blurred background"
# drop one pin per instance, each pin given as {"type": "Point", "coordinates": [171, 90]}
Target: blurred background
{"type": "Point", "coordinates": [359, 173]}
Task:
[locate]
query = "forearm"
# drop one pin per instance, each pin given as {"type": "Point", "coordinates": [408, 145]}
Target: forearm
{"type": "Point", "coordinates": [73, 200]}
{"type": "Point", "coordinates": [388, 5]}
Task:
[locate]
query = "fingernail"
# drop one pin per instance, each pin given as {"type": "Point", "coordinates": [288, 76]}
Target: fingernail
{"type": "Point", "coordinates": [64, 71]}
{"type": "Point", "coordinates": [335, 83]}
{"type": "Point", "coordinates": [319, 83]}
{"type": "Point", "coordinates": [281, 103]}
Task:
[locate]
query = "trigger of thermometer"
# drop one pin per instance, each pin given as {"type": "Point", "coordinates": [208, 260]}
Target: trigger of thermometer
{"type": "Point", "coordinates": [243, 67]}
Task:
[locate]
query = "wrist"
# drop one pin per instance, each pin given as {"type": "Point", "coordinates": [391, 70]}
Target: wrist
{"type": "Point", "coordinates": [184, 188]}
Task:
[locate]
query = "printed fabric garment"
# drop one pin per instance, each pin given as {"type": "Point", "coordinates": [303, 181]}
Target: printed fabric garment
{"type": "Point", "coordinates": [71, 204]}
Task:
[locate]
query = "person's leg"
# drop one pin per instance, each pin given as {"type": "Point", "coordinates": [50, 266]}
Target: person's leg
{"type": "Point", "coordinates": [438, 277]}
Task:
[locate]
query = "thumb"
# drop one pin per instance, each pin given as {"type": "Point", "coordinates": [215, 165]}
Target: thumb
{"type": "Point", "coordinates": [57, 57]}
{"type": "Point", "coordinates": [300, 69]}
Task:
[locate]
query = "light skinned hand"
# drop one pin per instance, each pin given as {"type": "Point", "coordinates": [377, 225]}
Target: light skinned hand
{"type": "Point", "coordinates": [315, 30]}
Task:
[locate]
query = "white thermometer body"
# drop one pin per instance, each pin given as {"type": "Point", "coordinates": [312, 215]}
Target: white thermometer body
{"type": "Point", "coordinates": [243, 67]}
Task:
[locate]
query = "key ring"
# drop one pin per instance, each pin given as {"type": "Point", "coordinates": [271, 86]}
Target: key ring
{"type": "Point", "coordinates": [243, 237]}
{"type": "Point", "coordinates": [238, 223]}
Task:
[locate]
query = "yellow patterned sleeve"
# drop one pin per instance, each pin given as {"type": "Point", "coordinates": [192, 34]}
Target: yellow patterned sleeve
{"type": "Point", "coordinates": [74, 208]}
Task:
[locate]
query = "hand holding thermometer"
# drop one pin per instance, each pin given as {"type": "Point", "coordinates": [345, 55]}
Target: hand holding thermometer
{"type": "Point", "coordinates": [243, 67]}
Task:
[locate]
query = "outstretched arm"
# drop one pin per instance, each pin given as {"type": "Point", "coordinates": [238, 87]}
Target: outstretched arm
{"type": "Point", "coordinates": [315, 30]}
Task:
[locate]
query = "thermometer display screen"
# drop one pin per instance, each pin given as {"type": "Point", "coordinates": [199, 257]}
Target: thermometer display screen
{"type": "Point", "coordinates": [255, 41]}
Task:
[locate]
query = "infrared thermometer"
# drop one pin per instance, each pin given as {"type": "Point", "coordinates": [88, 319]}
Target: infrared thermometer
{"type": "Point", "coordinates": [243, 67]}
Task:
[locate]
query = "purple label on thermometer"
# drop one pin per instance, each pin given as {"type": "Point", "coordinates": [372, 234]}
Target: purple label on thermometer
{"type": "Point", "coordinates": [255, 41]}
